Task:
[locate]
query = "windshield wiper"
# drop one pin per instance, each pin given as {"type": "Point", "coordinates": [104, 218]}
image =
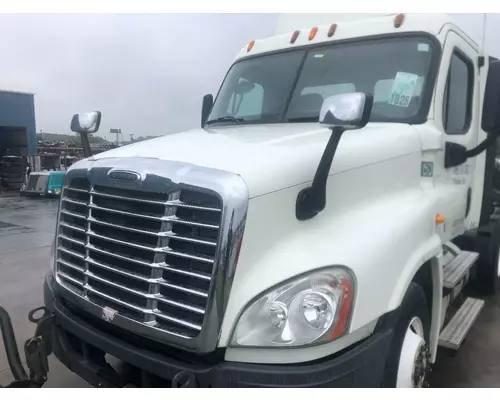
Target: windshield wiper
{"type": "Point", "coordinates": [226, 118]}
{"type": "Point", "coordinates": [303, 119]}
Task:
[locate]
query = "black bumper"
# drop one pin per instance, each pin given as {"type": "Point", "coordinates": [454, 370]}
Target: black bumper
{"type": "Point", "coordinates": [81, 347]}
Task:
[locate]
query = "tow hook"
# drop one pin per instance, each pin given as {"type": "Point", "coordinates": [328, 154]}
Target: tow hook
{"type": "Point", "coordinates": [37, 349]}
{"type": "Point", "coordinates": [184, 379]}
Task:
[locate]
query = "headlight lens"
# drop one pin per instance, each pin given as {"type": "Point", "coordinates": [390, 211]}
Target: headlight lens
{"type": "Point", "coordinates": [310, 309]}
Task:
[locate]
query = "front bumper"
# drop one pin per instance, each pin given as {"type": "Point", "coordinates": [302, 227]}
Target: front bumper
{"type": "Point", "coordinates": [79, 345]}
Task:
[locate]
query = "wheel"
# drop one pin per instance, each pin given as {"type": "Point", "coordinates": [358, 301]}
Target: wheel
{"type": "Point", "coordinates": [408, 360]}
{"type": "Point", "coordinates": [488, 266]}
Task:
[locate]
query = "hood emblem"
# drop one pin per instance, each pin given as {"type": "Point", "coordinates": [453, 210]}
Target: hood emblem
{"type": "Point", "coordinates": [127, 176]}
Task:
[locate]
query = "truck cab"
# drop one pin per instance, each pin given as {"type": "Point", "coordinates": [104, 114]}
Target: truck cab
{"type": "Point", "coordinates": [314, 231]}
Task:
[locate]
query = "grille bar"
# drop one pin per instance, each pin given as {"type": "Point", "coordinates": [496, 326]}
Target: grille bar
{"type": "Point", "coordinates": [96, 221]}
{"type": "Point", "coordinates": [188, 273]}
{"type": "Point", "coordinates": [70, 265]}
{"type": "Point", "coordinates": [72, 240]}
{"type": "Point", "coordinates": [71, 201]}
{"type": "Point", "coordinates": [73, 189]}
{"type": "Point", "coordinates": [148, 255]}
{"type": "Point", "coordinates": [171, 203]}
{"type": "Point", "coordinates": [71, 253]}
{"type": "Point", "coordinates": [183, 289]}
{"type": "Point", "coordinates": [153, 218]}
{"type": "Point", "coordinates": [119, 271]}
{"type": "Point", "coordinates": [123, 243]}
{"type": "Point", "coordinates": [74, 215]}
{"type": "Point", "coordinates": [69, 278]}
{"type": "Point", "coordinates": [120, 257]}
{"type": "Point", "coordinates": [69, 226]}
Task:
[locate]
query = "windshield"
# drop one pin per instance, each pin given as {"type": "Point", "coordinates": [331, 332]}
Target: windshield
{"type": "Point", "coordinates": [291, 86]}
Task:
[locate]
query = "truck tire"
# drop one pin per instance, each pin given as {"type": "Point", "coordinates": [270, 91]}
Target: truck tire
{"type": "Point", "coordinates": [407, 363]}
{"type": "Point", "coordinates": [488, 266]}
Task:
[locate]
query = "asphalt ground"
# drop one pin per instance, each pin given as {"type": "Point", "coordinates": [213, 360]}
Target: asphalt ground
{"type": "Point", "coordinates": [26, 231]}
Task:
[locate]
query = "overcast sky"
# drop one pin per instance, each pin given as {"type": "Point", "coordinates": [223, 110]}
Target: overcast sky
{"type": "Point", "coordinates": [146, 73]}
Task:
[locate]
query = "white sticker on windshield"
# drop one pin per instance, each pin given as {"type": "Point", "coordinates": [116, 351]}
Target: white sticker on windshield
{"type": "Point", "coordinates": [402, 89]}
{"type": "Point", "coordinates": [423, 47]}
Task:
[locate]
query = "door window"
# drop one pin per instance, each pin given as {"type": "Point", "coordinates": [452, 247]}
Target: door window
{"type": "Point", "coordinates": [457, 104]}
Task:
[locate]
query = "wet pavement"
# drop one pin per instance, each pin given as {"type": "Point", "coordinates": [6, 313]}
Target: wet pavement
{"type": "Point", "coordinates": [26, 233]}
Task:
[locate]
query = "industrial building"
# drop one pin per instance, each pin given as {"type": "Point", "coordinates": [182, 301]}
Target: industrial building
{"type": "Point", "coordinates": [17, 137]}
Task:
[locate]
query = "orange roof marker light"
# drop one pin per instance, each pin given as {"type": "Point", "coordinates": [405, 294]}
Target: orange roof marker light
{"type": "Point", "coordinates": [398, 20]}
{"type": "Point", "coordinates": [331, 31]}
{"type": "Point", "coordinates": [313, 33]}
{"type": "Point", "coordinates": [439, 219]}
{"type": "Point", "coordinates": [295, 35]}
{"type": "Point", "coordinates": [250, 45]}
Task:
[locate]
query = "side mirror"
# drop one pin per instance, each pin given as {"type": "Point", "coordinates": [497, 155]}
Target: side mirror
{"type": "Point", "coordinates": [490, 122]}
{"type": "Point", "coordinates": [338, 113]}
{"type": "Point", "coordinates": [457, 154]}
{"type": "Point", "coordinates": [84, 124]}
{"type": "Point", "coordinates": [346, 111]}
{"type": "Point", "coordinates": [206, 107]}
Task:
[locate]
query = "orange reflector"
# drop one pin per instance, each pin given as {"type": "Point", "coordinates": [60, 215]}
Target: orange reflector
{"type": "Point", "coordinates": [439, 219]}
{"type": "Point", "coordinates": [250, 45]}
{"type": "Point", "coordinates": [398, 20]}
{"type": "Point", "coordinates": [344, 308]}
{"type": "Point", "coordinates": [295, 35]}
{"type": "Point", "coordinates": [331, 31]}
{"type": "Point", "coordinates": [313, 33]}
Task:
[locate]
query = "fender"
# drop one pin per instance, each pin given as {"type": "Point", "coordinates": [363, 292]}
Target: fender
{"type": "Point", "coordinates": [382, 229]}
{"type": "Point", "coordinates": [429, 251]}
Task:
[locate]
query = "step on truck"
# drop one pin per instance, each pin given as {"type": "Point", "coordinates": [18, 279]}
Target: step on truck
{"type": "Point", "coordinates": [317, 230]}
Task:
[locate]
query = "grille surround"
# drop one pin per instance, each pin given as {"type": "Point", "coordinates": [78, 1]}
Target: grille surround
{"type": "Point", "coordinates": [171, 179]}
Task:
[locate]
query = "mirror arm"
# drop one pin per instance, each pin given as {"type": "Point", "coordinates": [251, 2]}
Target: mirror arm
{"type": "Point", "coordinates": [490, 139]}
{"type": "Point", "coordinates": [457, 154]}
{"type": "Point", "coordinates": [87, 152]}
{"type": "Point", "coordinates": [312, 200]}
{"type": "Point", "coordinates": [206, 108]}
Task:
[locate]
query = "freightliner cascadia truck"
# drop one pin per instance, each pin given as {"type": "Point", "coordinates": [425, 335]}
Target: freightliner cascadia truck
{"type": "Point", "coordinates": [317, 230]}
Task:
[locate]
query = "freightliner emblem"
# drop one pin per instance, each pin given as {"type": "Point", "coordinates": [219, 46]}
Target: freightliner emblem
{"type": "Point", "coordinates": [127, 176]}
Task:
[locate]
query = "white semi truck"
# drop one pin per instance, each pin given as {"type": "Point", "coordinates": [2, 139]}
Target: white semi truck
{"type": "Point", "coordinates": [317, 230]}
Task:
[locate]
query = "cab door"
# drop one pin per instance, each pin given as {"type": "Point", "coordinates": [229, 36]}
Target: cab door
{"type": "Point", "coordinates": [456, 111]}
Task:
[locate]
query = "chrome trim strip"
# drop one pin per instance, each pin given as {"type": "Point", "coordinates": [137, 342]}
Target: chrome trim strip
{"type": "Point", "coordinates": [168, 176]}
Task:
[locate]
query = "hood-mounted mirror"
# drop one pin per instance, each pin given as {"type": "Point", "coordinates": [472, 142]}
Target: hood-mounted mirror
{"type": "Point", "coordinates": [338, 113]}
{"type": "Point", "coordinates": [85, 123]}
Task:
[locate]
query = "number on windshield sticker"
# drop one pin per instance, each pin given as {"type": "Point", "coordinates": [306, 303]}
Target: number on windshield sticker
{"type": "Point", "coordinates": [400, 100]}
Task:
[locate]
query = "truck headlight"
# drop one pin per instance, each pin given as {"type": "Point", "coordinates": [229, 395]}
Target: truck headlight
{"type": "Point", "coordinates": [312, 308]}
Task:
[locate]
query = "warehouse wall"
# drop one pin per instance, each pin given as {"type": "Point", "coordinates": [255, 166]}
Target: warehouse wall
{"type": "Point", "coordinates": [17, 110]}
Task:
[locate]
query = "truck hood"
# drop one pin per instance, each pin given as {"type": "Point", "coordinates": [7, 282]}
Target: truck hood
{"type": "Point", "coordinates": [277, 156]}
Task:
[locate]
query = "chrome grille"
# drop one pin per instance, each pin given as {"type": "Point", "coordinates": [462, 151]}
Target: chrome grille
{"type": "Point", "coordinates": [148, 256]}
